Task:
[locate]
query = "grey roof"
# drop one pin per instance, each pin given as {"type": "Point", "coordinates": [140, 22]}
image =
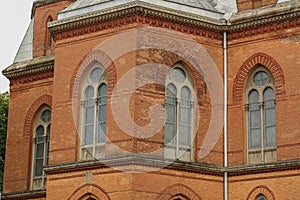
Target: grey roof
{"type": "Point", "coordinates": [204, 8]}
{"type": "Point", "coordinates": [202, 4]}
{"type": "Point", "coordinates": [26, 47]}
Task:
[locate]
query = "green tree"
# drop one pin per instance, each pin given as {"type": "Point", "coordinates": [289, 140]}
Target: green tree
{"type": "Point", "coordinates": [4, 100]}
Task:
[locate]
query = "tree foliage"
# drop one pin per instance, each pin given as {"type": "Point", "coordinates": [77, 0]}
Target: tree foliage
{"type": "Point", "coordinates": [4, 100]}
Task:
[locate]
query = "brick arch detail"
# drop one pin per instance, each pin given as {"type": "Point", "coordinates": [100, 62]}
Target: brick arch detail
{"type": "Point", "coordinates": [101, 57]}
{"type": "Point", "coordinates": [42, 100]}
{"type": "Point", "coordinates": [267, 61]}
{"type": "Point", "coordinates": [178, 189]}
{"type": "Point", "coordinates": [261, 190]}
{"type": "Point", "coordinates": [92, 189]}
{"type": "Point", "coordinates": [170, 59]}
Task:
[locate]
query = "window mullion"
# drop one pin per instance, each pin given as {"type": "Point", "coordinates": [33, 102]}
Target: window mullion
{"type": "Point", "coordinates": [248, 127]}
{"type": "Point", "coordinates": [261, 106]}
{"type": "Point", "coordinates": [95, 125]}
{"type": "Point", "coordinates": [192, 130]}
{"type": "Point", "coordinates": [83, 113]}
{"type": "Point", "coordinates": [44, 154]}
{"type": "Point", "coordinates": [177, 127]}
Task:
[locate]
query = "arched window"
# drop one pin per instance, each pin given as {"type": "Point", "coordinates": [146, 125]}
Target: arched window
{"type": "Point", "coordinates": [261, 116]}
{"type": "Point", "coordinates": [48, 39]}
{"type": "Point", "coordinates": [261, 197]}
{"type": "Point", "coordinates": [94, 103]}
{"type": "Point", "coordinates": [41, 144]}
{"type": "Point", "coordinates": [179, 115]}
{"type": "Point", "coordinates": [179, 197]}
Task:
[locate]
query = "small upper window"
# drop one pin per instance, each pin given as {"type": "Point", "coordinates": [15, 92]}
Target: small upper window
{"type": "Point", "coordinates": [178, 75]}
{"type": "Point", "coordinates": [260, 78]}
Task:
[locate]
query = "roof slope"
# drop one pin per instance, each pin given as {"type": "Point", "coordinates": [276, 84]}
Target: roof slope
{"type": "Point", "coordinates": [203, 8]}
{"type": "Point", "coordinates": [202, 4]}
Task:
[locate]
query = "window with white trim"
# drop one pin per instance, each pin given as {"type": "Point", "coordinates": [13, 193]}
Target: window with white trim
{"type": "Point", "coordinates": [93, 106]}
{"type": "Point", "coordinates": [261, 116]}
{"type": "Point", "coordinates": [41, 142]}
{"type": "Point", "coordinates": [179, 114]}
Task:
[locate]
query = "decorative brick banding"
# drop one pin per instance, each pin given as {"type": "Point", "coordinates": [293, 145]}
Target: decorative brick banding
{"type": "Point", "coordinates": [261, 190]}
{"type": "Point", "coordinates": [89, 190]}
{"type": "Point", "coordinates": [102, 58]}
{"type": "Point", "coordinates": [43, 100]}
{"type": "Point", "coordinates": [178, 189]}
{"type": "Point", "coordinates": [263, 59]}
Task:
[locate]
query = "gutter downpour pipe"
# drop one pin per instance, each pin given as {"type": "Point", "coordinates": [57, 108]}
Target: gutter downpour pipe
{"type": "Point", "coordinates": [225, 117]}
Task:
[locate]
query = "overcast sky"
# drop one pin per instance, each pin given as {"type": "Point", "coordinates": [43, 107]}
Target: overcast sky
{"type": "Point", "coordinates": [14, 20]}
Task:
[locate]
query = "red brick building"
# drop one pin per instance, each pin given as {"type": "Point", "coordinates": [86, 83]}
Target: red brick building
{"type": "Point", "coordinates": [158, 99]}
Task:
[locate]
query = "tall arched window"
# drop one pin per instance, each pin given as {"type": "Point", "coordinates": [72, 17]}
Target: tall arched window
{"type": "Point", "coordinates": [179, 115]}
{"type": "Point", "coordinates": [94, 103]}
{"type": "Point", "coordinates": [261, 116]}
{"type": "Point", "coordinates": [41, 144]}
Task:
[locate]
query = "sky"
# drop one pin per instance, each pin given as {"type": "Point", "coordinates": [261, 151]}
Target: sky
{"type": "Point", "coordinates": [14, 20]}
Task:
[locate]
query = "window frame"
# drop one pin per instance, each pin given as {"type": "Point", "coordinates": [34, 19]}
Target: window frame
{"type": "Point", "coordinates": [184, 153]}
{"type": "Point", "coordinates": [251, 86]}
{"type": "Point", "coordinates": [39, 182]}
{"type": "Point", "coordinates": [90, 151]}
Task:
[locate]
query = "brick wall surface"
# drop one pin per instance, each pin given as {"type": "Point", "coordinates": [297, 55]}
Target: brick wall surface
{"type": "Point", "coordinates": [278, 51]}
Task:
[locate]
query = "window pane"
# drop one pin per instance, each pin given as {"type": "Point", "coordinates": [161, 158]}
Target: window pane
{"type": "Point", "coordinates": [48, 132]}
{"type": "Point", "coordinates": [96, 75]}
{"type": "Point", "coordinates": [185, 94]}
{"type": "Point", "coordinates": [255, 139]}
{"type": "Point", "coordinates": [170, 112]}
{"type": "Point", "coordinates": [89, 134]}
{"type": "Point", "coordinates": [177, 75]}
{"type": "Point", "coordinates": [103, 90]}
{"type": "Point", "coordinates": [269, 94]}
{"type": "Point", "coordinates": [185, 118]}
{"type": "Point", "coordinates": [170, 134]}
{"type": "Point", "coordinates": [270, 118]}
{"type": "Point", "coordinates": [254, 123]}
{"type": "Point", "coordinates": [48, 144]}
{"type": "Point", "coordinates": [39, 150]}
{"type": "Point", "coordinates": [184, 136]}
{"type": "Point", "coordinates": [102, 111]}
{"type": "Point", "coordinates": [40, 131]}
{"type": "Point", "coordinates": [46, 116]}
{"type": "Point", "coordinates": [89, 92]}
{"type": "Point", "coordinates": [89, 115]}
{"type": "Point", "coordinates": [260, 78]}
{"type": "Point", "coordinates": [171, 91]}
{"type": "Point", "coordinates": [38, 167]}
{"type": "Point", "coordinates": [101, 133]}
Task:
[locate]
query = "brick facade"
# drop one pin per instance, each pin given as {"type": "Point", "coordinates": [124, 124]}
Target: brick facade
{"type": "Point", "coordinates": [134, 167]}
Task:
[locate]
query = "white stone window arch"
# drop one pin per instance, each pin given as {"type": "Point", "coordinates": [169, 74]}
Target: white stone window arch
{"type": "Point", "coordinates": [41, 146]}
{"type": "Point", "coordinates": [179, 114]}
{"type": "Point", "coordinates": [93, 109]}
{"type": "Point", "coordinates": [260, 116]}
